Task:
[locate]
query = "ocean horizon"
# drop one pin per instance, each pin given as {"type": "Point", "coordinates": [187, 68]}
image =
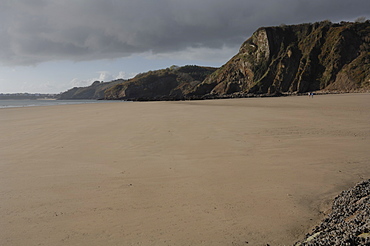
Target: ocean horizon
{"type": "Point", "coordinates": [10, 103]}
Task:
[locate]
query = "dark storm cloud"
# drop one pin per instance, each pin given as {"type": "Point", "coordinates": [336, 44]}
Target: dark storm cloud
{"type": "Point", "coordinates": [43, 30]}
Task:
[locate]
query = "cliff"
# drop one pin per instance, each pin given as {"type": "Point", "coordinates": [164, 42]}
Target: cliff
{"type": "Point", "coordinates": [273, 61]}
{"type": "Point", "coordinates": [295, 59]}
{"type": "Point", "coordinates": [95, 91]}
{"type": "Point", "coordinates": [172, 83]}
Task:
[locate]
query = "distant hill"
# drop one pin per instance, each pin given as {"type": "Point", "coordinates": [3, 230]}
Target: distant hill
{"type": "Point", "coordinates": [95, 91]}
{"type": "Point", "coordinates": [28, 96]}
{"type": "Point", "coordinates": [166, 84]}
{"type": "Point", "coordinates": [273, 61]}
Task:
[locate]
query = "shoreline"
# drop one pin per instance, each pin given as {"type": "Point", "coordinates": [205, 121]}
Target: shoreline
{"type": "Point", "coordinates": [214, 172]}
{"type": "Point", "coordinates": [231, 96]}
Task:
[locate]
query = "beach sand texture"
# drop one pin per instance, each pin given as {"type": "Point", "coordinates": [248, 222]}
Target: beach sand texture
{"type": "Point", "coordinates": [221, 172]}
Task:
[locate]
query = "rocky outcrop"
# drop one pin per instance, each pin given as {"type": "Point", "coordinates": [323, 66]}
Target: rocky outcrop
{"type": "Point", "coordinates": [349, 221]}
{"type": "Point", "coordinates": [172, 83]}
{"type": "Point", "coordinates": [95, 91]}
{"type": "Point", "coordinates": [296, 59]}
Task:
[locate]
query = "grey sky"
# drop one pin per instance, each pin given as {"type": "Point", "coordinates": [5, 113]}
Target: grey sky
{"type": "Point", "coordinates": [45, 30]}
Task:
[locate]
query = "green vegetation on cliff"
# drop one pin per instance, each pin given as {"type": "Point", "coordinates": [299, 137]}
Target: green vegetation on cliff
{"type": "Point", "coordinates": [166, 84]}
{"type": "Point", "coordinates": [95, 91]}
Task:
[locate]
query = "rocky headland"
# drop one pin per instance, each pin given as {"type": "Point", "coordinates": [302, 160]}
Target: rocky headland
{"type": "Point", "coordinates": [95, 91]}
{"type": "Point", "coordinates": [296, 59]}
{"type": "Point", "coordinates": [274, 61]}
{"type": "Point", "coordinates": [174, 83]}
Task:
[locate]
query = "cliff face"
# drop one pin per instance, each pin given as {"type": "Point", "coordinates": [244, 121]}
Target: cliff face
{"type": "Point", "coordinates": [296, 59]}
{"type": "Point", "coordinates": [166, 84]}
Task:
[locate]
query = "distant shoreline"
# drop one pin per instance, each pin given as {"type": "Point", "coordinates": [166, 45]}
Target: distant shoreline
{"type": "Point", "coordinates": [16, 103]}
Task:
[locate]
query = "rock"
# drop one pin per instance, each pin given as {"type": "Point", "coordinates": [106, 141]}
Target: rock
{"type": "Point", "coordinates": [349, 221]}
{"type": "Point", "coordinates": [364, 235]}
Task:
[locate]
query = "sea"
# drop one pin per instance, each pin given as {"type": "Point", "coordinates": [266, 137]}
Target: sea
{"type": "Point", "coordinates": [37, 103]}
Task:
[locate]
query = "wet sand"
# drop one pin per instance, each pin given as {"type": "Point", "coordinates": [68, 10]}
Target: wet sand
{"type": "Point", "coordinates": [222, 172]}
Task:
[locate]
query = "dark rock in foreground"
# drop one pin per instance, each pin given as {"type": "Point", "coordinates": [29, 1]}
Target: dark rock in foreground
{"type": "Point", "coordinates": [349, 221]}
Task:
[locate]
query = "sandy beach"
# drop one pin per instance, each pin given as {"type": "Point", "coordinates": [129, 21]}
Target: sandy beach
{"type": "Point", "coordinates": [251, 171]}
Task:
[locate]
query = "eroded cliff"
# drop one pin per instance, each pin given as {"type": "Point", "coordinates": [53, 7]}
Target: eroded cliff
{"type": "Point", "coordinates": [296, 59]}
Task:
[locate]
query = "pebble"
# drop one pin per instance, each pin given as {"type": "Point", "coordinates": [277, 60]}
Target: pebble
{"type": "Point", "coordinates": [349, 221]}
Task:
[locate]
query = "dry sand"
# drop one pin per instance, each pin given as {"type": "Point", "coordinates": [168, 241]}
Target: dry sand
{"type": "Point", "coordinates": [224, 172]}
